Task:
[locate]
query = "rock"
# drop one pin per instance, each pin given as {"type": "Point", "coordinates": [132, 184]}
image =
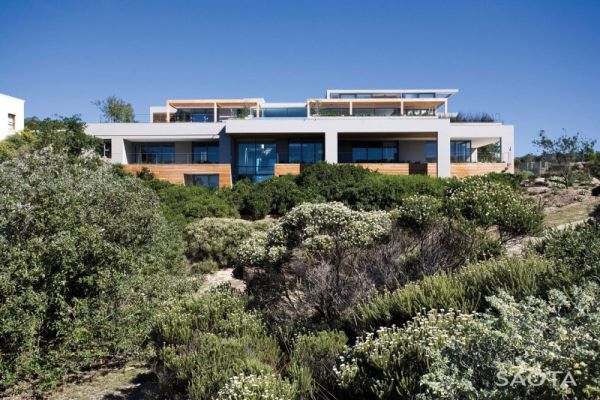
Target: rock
{"type": "Point", "coordinates": [540, 181]}
{"type": "Point", "coordinates": [595, 181]}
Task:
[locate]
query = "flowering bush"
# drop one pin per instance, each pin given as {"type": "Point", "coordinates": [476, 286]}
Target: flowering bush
{"type": "Point", "coordinates": [450, 354]}
{"type": "Point", "coordinates": [488, 203]}
{"type": "Point", "coordinates": [418, 211]}
{"type": "Point", "coordinates": [257, 387]}
{"type": "Point", "coordinates": [217, 239]}
{"type": "Point", "coordinates": [314, 229]}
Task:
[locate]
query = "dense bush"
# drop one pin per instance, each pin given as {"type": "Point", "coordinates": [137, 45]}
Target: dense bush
{"type": "Point", "coordinates": [183, 204]}
{"type": "Point", "coordinates": [577, 247]}
{"type": "Point", "coordinates": [463, 290]}
{"type": "Point", "coordinates": [332, 182]}
{"type": "Point", "coordinates": [276, 195]}
{"type": "Point", "coordinates": [490, 203]}
{"type": "Point", "coordinates": [218, 239]}
{"type": "Point", "coordinates": [418, 211]}
{"type": "Point", "coordinates": [64, 134]}
{"type": "Point", "coordinates": [313, 229]}
{"type": "Point", "coordinates": [449, 354]}
{"type": "Point", "coordinates": [202, 343]}
{"type": "Point", "coordinates": [84, 260]}
{"type": "Point", "coordinates": [312, 360]}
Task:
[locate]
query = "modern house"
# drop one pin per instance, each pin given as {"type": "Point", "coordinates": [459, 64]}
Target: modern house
{"type": "Point", "coordinates": [12, 115]}
{"type": "Point", "coordinates": [215, 142]}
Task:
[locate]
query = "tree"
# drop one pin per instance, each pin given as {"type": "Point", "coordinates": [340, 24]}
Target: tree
{"type": "Point", "coordinates": [115, 109]}
{"type": "Point", "coordinates": [66, 135]}
{"type": "Point", "coordinates": [564, 151]}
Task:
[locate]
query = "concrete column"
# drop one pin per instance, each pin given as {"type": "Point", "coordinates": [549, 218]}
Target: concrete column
{"type": "Point", "coordinates": [507, 150]}
{"type": "Point", "coordinates": [331, 147]}
{"type": "Point", "coordinates": [215, 117]}
{"type": "Point", "coordinates": [443, 154]}
{"type": "Point", "coordinates": [118, 150]}
{"type": "Point", "coordinates": [401, 107]}
{"type": "Point", "coordinates": [225, 148]}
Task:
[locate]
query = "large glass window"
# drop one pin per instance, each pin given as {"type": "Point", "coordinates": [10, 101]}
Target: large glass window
{"type": "Point", "coordinates": [431, 151]}
{"type": "Point", "coordinates": [289, 112]}
{"type": "Point", "coordinates": [107, 148]}
{"type": "Point", "coordinates": [375, 152]}
{"type": "Point", "coordinates": [205, 153]}
{"type": "Point", "coordinates": [193, 115]}
{"type": "Point", "coordinates": [308, 152]}
{"type": "Point", "coordinates": [256, 160]}
{"type": "Point", "coordinates": [157, 153]}
{"type": "Point", "coordinates": [208, 180]}
{"type": "Point", "coordinates": [460, 151]}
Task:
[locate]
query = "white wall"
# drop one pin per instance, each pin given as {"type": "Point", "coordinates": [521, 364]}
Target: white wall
{"type": "Point", "coordinates": [15, 106]}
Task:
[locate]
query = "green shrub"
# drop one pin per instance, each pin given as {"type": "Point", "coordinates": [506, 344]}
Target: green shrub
{"type": "Point", "coordinates": [258, 387]}
{"type": "Point", "coordinates": [331, 182]}
{"type": "Point", "coordinates": [312, 360]}
{"type": "Point", "coordinates": [463, 290]}
{"type": "Point", "coordinates": [449, 354]}
{"type": "Point", "coordinates": [183, 204]}
{"type": "Point", "coordinates": [85, 258]}
{"type": "Point", "coordinates": [283, 193]}
{"type": "Point", "coordinates": [491, 203]}
{"type": "Point", "coordinates": [386, 192]}
{"type": "Point", "coordinates": [204, 266]}
{"type": "Point", "coordinates": [249, 198]}
{"type": "Point", "coordinates": [577, 247]}
{"type": "Point", "coordinates": [202, 343]}
{"type": "Point", "coordinates": [511, 180]}
{"type": "Point", "coordinates": [218, 238]}
{"type": "Point", "coordinates": [314, 229]}
{"type": "Point", "coordinates": [418, 211]}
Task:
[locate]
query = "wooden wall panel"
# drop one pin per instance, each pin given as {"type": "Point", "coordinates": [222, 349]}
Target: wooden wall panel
{"type": "Point", "coordinates": [174, 173]}
{"type": "Point", "coordinates": [432, 169]}
{"type": "Point", "coordinates": [461, 170]}
{"type": "Point", "coordinates": [286, 169]}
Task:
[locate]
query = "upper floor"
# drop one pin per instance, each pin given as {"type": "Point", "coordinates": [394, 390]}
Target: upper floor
{"type": "Point", "coordinates": [422, 103]}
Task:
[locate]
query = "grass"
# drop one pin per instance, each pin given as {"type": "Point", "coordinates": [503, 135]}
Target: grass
{"type": "Point", "coordinates": [571, 213]}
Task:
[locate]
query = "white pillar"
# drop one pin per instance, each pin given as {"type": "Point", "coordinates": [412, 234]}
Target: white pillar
{"type": "Point", "coordinates": [443, 154]}
{"type": "Point", "coordinates": [118, 154]}
{"type": "Point", "coordinates": [215, 117]}
{"type": "Point", "coordinates": [331, 147]}
{"type": "Point", "coordinates": [507, 149]}
{"type": "Point", "coordinates": [445, 107]}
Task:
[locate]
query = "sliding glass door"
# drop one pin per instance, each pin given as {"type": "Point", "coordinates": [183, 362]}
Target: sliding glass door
{"type": "Point", "coordinates": [256, 160]}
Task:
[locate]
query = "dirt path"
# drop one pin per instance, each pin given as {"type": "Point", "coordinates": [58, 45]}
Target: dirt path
{"type": "Point", "coordinates": [132, 382]}
{"type": "Point", "coordinates": [219, 277]}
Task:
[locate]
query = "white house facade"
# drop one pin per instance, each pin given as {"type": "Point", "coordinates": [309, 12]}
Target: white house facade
{"type": "Point", "coordinates": [12, 115]}
{"type": "Point", "coordinates": [216, 142]}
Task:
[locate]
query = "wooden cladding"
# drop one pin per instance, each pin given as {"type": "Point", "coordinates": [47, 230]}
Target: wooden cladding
{"type": "Point", "coordinates": [460, 170]}
{"type": "Point", "coordinates": [287, 169]}
{"type": "Point", "coordinates": [175, 173]}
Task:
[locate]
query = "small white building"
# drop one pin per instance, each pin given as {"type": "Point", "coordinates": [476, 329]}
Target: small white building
{"type": "Point", "coordinates": [12, 115]}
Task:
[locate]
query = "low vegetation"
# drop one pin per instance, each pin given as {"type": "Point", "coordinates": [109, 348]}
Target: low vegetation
{"type": "Point", "coordinates": [359, 285]}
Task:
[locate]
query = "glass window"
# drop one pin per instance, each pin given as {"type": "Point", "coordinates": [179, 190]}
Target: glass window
{"type": "Point", "coordinates": [375, 152]}
{"type": "Point", "coordinates": [11, 122]}
{"type": "Point", "coordinates": [305, 152]}
{"type": "Point", "coordinates": [157, 153]}
{"type": "Point", "coordinates": [460, 151]}
{"type": "Point", "coordinates": [205, 153]}
{"type": "Point", "coordinates": [207, 180]}
{"type": "Point", "coordinates": [256, 160]}
{"type": "Point", "coordinates": [290, 112]}
{"type": "Point", "coordinates": [107, 148]}
{"type": "Point", "coordinates": [431, 151]}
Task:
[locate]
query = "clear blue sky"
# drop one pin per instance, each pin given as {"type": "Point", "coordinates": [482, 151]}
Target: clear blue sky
{"type": "Point", "coordinates": [535, 63]}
